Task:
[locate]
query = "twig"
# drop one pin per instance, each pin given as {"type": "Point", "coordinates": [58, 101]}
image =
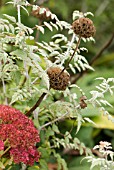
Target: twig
{"type": "Point", "coordinates": [36, 104]}
{"type": "Point", "coordinates": [77, 152]}
{"type": "Point", "coordinates": [57, 119]}
{"type": "Point", "coordinates": [94, 59]}
{"type": "Point", "coordinates": [102, 50]}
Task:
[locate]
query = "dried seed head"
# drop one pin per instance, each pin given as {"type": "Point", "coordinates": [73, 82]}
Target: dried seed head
{"type": "Point", "coordinates": [58, 82]}
{"type": "Point", "coordinates": [84, 27]}
{"type": "Point", "coordinates": [42, 16]}
{"type": "Point", "coordinates": [82, 102]}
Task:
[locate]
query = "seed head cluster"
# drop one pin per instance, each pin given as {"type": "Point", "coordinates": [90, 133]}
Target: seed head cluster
{"type": "Point", "coordinates": [21, 135]}
{"type": "Point", "coordinates": [58, 80]}
{"type": "Point", "coordinates": [84, 27]}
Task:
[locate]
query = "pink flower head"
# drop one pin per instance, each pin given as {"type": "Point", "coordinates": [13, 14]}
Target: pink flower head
{"type": "Point", "coordinates": [1, 145]}
{"type": "Point", "coordinates": [21, 134]}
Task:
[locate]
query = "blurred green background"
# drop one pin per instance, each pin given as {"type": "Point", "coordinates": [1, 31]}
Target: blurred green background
{"type": "Point", "coordinates": [104, 67]}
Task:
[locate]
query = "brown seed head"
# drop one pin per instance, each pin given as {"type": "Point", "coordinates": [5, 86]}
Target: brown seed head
{"type": "Point", "coordinates": [58, 82]}
{"type": "Point", "coordinates": [84, 27]}
{"type": "Point", "coordinates": [42, 16]}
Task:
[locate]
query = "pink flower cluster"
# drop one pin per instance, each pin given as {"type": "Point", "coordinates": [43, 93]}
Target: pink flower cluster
{"type": "Point", "coordinates": [1, 145]}
{"type": "Point", "coordinates": [21, 134]}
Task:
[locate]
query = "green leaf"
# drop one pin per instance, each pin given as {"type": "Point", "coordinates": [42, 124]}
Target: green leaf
{"type": "Point", "coordinates": [55, 128]}
{"type": "Point", "coordinates": [2, 165]}
{"type": "Point", "coordinates": [43, 165]}
{"type": "Point", "coordinates": [33, 168]}
{"type": "Point", "coordinates": [20, 54]}
{"type": "Point", "coordinates": [49, 132]}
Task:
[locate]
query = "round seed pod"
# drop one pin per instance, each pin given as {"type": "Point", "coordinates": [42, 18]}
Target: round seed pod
{"type": "Point", "coordinates": [42, 16]}
{"type": "Point", "coordinates": [58, 80]}
{"type": "Point", "coordinates": [84, 27]}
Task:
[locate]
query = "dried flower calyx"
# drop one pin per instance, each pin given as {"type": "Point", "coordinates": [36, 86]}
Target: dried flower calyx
{"type": "Point", "coordinates": [84, 27]}
{"type": "Point", "coordinates": [58, 80]}
{"type": "Point", "coordinates": [44, 15]}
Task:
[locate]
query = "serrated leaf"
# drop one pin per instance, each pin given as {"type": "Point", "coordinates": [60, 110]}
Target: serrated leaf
{"type": "Point", "coordinates": [54, 53]}
{"type": "Point", "coordinates": [25, 9]}
{"type": "Point", "coordinates": [89, 120]}
{"type": "Point", "coordinates": [48, 26]}
{"type": "Point", "coordinates": [19, 53]}
{"type": "Point", "coordinates": [72, 68]}
{"type": "Point", "coordinates": [45, 79]}
{"type": "Point", "coordinates": [40, 28]}
{"type": "Point", "coordinates": [55, 128]}
{"type": "Point", "coordinates": [11, 18]}
{"type": "Point", "coordinates": [54, 25]}
{"type": "Point", "coordinates": [12, 28]}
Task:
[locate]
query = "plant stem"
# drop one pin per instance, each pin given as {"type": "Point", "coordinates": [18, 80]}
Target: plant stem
{"type": "Point", "coordinates": [19, 14]}
{"type": "Point", "coordinates": [5, 151]}
{"type": "Point", "coordinates": [36, 104]}
{"type": "Point", "coordinates": [37, 31]}
{"type": "Point", "coordinates": [76, 48]}
{"type": "Point", "coordinates": [57, 119]}
{"type": "Point", "coordinates": [4, 91]}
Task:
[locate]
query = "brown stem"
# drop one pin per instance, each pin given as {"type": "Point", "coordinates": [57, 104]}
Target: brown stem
{"type": "Point", "coordinates": [37, 32]}
{"type": "Point", "coordinates": [76, 48]}
{"type": "Point", "coordinates": [98, 55]}
{"type": "Point", "coordinates": [77, 152]}
{"type": "Point", "coordinates": [36, 104]}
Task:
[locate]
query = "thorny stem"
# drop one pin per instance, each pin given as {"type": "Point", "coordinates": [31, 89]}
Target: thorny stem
{"type": "Point", "coordinates": [76, 48]}
{"type": "Point", "coordinates": [36, 104]}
